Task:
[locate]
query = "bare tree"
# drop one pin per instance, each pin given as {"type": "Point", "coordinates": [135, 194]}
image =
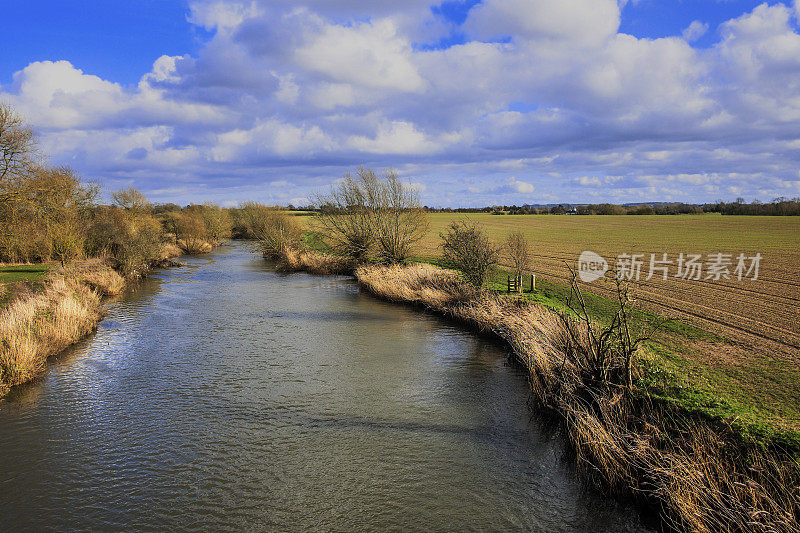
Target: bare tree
{"type": "Point", "coordinates": [347, 214]}
{"type": "Point", "coordinates": [399, 221]}
{"type": "Point", "coordinates": [519, 254]}
{"type": "Point", "coordinates": [466, 247]}
{"type": "Point", "coordinates": [17, 144]}
{"type": "Point", "coordinates": [604, 353]}
{"type": "Point", "coordinates": [17, 148]}
{"type": "Point", "coordinates": [131, 199]}
{"type": "Point", "coordinates": [366, 215]}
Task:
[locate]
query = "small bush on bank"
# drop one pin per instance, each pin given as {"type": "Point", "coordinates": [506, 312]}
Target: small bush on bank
{"type": "Point", "coordinates": [467, 248]}
{"type": "Point", "coordinates": [275, 229]}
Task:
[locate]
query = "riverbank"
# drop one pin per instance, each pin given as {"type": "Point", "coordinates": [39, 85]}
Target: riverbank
{"type": "Point", "coordinates": [704, 477]}
{"type": "Point", "coordinates": [65, 306]}
{"type": "Point", "coordinates": [699, 470]}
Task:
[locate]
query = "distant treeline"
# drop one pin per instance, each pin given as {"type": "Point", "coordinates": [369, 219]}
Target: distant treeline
{"type": "Point", "coordinates": [778, 207]}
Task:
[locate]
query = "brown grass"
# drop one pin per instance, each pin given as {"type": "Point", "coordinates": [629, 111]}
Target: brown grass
{"type": "Point", "coordinates": [38, 324]}
{"type": "Point", "coordinates": [97, 274]}
{"type": "Point", "coordinates": [698, 471]}
{"type": "Point", "coordinates": [195, 246]}
{"type": "Point", "coordinates": [295, 260]}
{"type": "Point", "coordinates": [169, 251]}
{"type": "Point", "coordinates": [35, 327]}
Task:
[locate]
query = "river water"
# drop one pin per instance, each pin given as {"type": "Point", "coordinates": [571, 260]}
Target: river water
{"type": "Point", "coordinates": [225, 396]}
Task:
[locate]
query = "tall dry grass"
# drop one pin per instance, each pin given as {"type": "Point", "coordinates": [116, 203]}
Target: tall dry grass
{"type": "Point", "coordinates": [169, 251]}
{"type": "Point", "coordinates": [699, 472]}
{"type": "Point", "coordinates": [291, 259]}
{"type": "Point", "coordinates": [40, 325]}
{"type": "Point", "coordinates": [37, 325]}
{"type": "Point", "coordinates": [194, 246]}
{"type": "Point", "coordinates": [97, 273]}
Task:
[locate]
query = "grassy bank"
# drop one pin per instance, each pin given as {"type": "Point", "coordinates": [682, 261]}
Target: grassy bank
{"type": "Point", "coordinates": [44, 314]}
{"type": "Point", "coordinates": [43, 323]}
{"type": "Point", "coordinates": [755, 391]}
{"type": "Point", "coordinates": [705, 477]}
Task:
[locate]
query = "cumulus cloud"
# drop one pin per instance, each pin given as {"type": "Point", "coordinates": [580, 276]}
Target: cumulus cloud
{"type": "Point", "coordinates": [571, 22]}
{"type": "Point", "coordinates": [521, 186]}
{"type": "Point", "coordinates": [695, 30]}
{"type": "Point", "coordinates": [544, 101]}
{"type": "Point", "coordinates": [56, 95]}
{"type": "Point", "coordinates": [370, 55]}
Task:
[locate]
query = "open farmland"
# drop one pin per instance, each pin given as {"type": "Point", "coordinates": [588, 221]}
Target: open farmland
{"type": "Point", "coordinates": [754, 376]}
{"type": "Point", "coordinates": [763, 312]}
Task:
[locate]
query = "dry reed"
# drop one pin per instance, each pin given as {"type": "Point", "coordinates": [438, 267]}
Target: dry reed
{"type": "Point", "coordinates": [35, 327]}
{"type": "Point", "coordinates": [291, 259]}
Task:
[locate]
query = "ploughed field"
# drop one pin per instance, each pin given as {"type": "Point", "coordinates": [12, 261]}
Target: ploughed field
{"type": "Point", "coordinates": [764, 313]}
{"type": "Point", "coordinates": [741, 363]}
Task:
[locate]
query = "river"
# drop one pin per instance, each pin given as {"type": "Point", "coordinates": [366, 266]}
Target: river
{"type": "Point", "coordinates": [223, 395]}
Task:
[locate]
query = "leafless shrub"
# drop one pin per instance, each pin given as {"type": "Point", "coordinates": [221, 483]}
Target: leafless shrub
{"type": "Point", "coordinates": [467, 248]}
{"type": "Point", "coordinates": [276, 231]}
{"type": "Point", "coordinates": [347, 214]}
{"type": "Point", "coordinates": [366, 215]}
{"type": "Point", "coordinates": [519, 255]}
{"type": "Point", "coordinates": [399, 221]}
{"type": "Point", "coordinates": [603, 353]}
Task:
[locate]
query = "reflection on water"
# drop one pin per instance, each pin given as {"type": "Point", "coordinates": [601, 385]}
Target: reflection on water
{"type": "Point", "coordinates": [223, 395]}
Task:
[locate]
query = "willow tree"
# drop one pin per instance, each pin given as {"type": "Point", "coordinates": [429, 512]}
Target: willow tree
{"type": "Point", "coordinates": [368, 216]}
{"type": "Point", "coordinates": [400, 222]}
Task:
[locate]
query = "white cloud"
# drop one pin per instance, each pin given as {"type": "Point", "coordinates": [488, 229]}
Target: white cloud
{"type": "Point", "coordinates": [580, 22]}
{"type": "Point", "coordinates": [59, 96]}
{"type": "Point", "coordinates": [302, 92]}
{"type": "Point", "coordinates": [695, 30]}
{"type": "Point", "coordinates": [394, 138]}
{"type": "Point", "coordinates": [368, 54]}
{"type": "Point", "coordinates": [222, 15]}
{"type": "Point", "coordinates": [588, 181]}
{"type": "Point", "coordinates": [521, 186]}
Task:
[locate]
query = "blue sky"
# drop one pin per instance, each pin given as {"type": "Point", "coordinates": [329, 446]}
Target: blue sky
{"type": "Point", "coordinates": [473, 102]}
{"type": "Point", "coordinates": [120, 40]}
